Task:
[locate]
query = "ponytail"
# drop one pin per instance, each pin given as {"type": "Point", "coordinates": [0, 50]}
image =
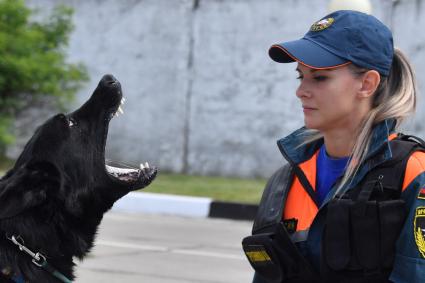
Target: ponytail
{"type": "Point", "coordinates": [395, 98]}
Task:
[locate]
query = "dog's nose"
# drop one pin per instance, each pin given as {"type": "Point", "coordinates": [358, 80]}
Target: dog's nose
{"type": "Point", "coordinates": [109, 80]}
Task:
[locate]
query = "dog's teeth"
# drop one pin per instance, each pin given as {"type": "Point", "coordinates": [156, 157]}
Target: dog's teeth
{"type": "Point", "coordinates": [120, 110]}
{"type": "Point", "coordinates": [146, 165]}
{"type": "Point", "coordinates": [141, 166]}
{"type": "Point", "coordinates": [122, 100]}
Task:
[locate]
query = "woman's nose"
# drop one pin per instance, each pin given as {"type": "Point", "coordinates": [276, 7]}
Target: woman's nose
{"type": "Point", "coordinates": [303, 91]}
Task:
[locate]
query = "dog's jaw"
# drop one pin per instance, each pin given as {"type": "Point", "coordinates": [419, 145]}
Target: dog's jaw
{"type": "Point", "coordinates": [135, 178]}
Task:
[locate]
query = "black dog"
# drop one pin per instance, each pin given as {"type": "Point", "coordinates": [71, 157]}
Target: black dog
{"type": "Point", "coordinates": [54, 197]}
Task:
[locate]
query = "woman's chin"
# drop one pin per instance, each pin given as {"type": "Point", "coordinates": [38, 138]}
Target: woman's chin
{"type": "Point", "coordinates": [311, 125]}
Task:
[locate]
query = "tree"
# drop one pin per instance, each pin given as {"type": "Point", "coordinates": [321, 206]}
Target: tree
{"type": "Point", "coordinates": [33, 61]}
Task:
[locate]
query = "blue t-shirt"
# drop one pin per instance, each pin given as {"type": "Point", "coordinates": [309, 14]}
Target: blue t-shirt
{"type": "Point", "coordinates": [328, 171]}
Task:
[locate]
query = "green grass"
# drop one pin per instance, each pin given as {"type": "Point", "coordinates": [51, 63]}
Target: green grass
{"type": "Point", "coordinates": [217, 188]}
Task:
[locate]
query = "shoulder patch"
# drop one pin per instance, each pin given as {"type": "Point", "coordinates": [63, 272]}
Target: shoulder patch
{"type": "Point", "coordinates": [421, 194]}
{"type": "Point", "coordinates": [419, 229]}
{"type": "Point", "coordinates": [322, 24]}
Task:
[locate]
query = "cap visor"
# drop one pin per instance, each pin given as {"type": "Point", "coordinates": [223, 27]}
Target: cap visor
{"type": "Point", "coordinates": [307, 53]}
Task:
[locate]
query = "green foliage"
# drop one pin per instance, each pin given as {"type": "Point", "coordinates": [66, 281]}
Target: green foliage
{"type": "Point", "coordinates": [33, 61]}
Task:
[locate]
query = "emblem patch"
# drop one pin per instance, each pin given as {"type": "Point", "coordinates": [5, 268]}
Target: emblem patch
{"type": "Point", "coordinates": [419, 229]}
{"type": "Point", "coordinates": [322, 24]}
{"type": "Point", "coordinates": [421, 194]}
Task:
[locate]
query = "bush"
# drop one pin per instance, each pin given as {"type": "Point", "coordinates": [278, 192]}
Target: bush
{"type": "Point", "coordinates": [33, 62]}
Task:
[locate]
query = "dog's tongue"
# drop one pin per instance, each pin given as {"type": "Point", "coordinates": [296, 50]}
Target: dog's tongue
{"type": "Point", "coordinates": [124, 174]}
{"type": "Point", "coordinates": [145, 174]}
{"type": "Point", "coordinates": [118, 170]}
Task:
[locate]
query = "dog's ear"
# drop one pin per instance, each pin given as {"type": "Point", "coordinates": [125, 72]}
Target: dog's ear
{"type": "Point", "coordinates": [27, 187]}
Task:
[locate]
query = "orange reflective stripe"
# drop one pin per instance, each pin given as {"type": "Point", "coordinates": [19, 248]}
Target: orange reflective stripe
{"type": "Point", "coordinates": [299, 205]}
{"type": "Point", "coordinates": [415, 166]}
{"type": "Point", "coordinates": [309, 169]}
{"type": "Point", "coordinates": [392, 136]}
{"type": "Point", "coordinates": [305, 64]}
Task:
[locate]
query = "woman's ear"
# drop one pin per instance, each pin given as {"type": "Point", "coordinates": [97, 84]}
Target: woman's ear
{"type": "Point", "coordinates": [370, 83]}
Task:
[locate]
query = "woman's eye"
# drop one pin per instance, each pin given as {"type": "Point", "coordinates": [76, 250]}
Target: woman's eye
{"type": "Point", "coordinates": [320, 78]}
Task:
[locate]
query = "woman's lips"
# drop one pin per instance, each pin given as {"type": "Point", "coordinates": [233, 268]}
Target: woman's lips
{"type": "Point", "coordinates": [307, 109]}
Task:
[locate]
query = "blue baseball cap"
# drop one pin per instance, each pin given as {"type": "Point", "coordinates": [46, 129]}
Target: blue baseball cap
{"type": "Point", "coordinates": [341, 38]}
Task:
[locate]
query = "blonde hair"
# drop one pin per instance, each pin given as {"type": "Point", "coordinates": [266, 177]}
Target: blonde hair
{"type": "Point", "coordinates": [395, 98]}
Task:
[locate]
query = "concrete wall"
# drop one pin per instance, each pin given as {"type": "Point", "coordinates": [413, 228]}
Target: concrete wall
{"type": "Point", "coordinates": [202, 94]}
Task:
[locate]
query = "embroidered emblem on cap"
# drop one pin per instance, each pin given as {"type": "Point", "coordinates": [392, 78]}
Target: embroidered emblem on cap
{"type": "Point", "coordinates": [322, 24]}
{"type": "Point", "coordinates": [419, 229]}
{"type": "Point", "coordinates": [421, 194]}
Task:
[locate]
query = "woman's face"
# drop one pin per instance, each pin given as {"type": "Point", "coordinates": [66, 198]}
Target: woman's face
{"type": "Point", "coordinates": [329, 98]}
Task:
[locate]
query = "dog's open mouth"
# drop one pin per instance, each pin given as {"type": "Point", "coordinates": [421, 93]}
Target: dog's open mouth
{"type": "Point", "coordinates": [127, 173]}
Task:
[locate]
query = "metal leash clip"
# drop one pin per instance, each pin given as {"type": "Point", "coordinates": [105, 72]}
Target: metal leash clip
{"type": "Point", "coordinates": [37, 258]}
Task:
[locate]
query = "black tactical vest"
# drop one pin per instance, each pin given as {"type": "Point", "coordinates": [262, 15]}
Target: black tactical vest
{"type": "Point", "coordinates": [363, 225]}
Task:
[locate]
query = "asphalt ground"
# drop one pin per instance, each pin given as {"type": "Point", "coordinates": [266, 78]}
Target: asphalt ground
{"type": "Point", "coordinates": [167, 249]}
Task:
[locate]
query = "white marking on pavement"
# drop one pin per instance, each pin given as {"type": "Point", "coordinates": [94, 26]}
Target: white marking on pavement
{"type": "Point", "coordinates": [167, 249]}
{"type": "Point", "coordinates": [132, 246]}
{"type": "Point", "coordinates": [208, 254]}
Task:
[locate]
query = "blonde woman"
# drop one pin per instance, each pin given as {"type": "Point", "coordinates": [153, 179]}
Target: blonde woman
{"type": "Point", "coordinates": [350, 204]}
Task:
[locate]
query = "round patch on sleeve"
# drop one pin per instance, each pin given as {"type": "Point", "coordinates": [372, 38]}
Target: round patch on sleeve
{"type": "Point", "coordinates": [419, 229]}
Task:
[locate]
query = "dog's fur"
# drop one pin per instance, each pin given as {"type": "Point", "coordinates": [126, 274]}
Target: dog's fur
{"type": "Point", "coordinates": [56, 194]}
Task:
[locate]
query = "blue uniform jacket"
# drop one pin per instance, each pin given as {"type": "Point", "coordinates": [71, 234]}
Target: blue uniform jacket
{"type": "Point", "coordinates": [409, 265]}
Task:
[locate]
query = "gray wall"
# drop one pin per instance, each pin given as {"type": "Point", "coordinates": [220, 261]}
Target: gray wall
{"type": "Point", "coordinates": [202, 94]}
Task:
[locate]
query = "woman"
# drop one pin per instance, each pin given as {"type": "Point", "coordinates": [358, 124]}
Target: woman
{"type": "Point", "coordinates": [350, 205]}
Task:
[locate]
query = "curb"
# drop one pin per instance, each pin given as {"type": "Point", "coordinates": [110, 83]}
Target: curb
{"type": "Point", "coordinates": [187, 206]}
{"type": "Point", "coordinates": [232, 210]}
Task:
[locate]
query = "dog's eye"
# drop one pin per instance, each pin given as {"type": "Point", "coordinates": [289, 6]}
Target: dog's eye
{"type": "Point", "coordinates": [71, 122]}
